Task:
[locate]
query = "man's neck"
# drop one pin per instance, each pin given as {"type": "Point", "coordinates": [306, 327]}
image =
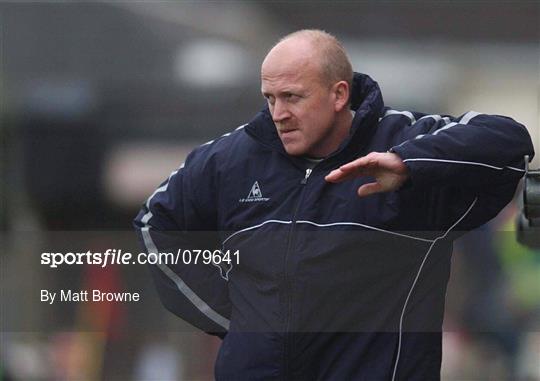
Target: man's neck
{"type": "Point", "coordinates": [344, 123]}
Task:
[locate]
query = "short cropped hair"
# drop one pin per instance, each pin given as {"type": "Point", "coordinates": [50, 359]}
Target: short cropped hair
{"type": "Point", "coordinates": [335, 63]}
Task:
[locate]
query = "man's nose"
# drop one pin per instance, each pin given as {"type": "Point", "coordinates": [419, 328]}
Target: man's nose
{"type": "Point", "coordinates": [280, 112]}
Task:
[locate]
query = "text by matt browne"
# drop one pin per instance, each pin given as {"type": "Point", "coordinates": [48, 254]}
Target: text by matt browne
{"type": "Point", "coordinates": [95, 295]}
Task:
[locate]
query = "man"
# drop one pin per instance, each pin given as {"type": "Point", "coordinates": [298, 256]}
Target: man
{"type": "Point", "coordinates": [342, 213]}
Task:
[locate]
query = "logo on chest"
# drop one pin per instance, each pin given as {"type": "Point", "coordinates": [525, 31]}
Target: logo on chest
{"type": "Point", "coordinates": [255, 194]}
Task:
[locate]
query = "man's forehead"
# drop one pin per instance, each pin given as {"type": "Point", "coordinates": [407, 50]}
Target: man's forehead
{"type": "Point", "coordinates": [269, 87]}
{"type": "Point", "coordinates": [286, 72]}
{"type": "Point", "coordinates": [285, 65]}
{"type": "Point", "coordinates": [291, 73]}
{"type": "Point", "coordinates": [286, 81]}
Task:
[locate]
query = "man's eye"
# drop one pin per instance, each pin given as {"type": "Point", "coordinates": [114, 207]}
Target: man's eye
{"type": "Point", "coordinates": [270, 99]}
{"type": "Point", "coordinates": [291, 97]}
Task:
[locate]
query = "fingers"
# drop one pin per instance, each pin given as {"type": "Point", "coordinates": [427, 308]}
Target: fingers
{"type": "Point", "coordinates": [360, 167]}
{"type": "Point", "coordinates": [362, 162]}
{"type": "Point", "coordinates": [337, 176]}
{"type": "Point", "coordinates": [368, 189]}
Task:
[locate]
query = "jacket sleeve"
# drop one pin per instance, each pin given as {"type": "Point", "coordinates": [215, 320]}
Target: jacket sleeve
{"type": "Point", "coordinates": [181, 214]}
{"type": "Point", "coordinates": [474, 157]}
{"type": "Point", "coordinates": [474, 150]}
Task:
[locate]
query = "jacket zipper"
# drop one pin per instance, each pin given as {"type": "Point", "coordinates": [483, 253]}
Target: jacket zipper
{"type": "Point", "coordinates": [287, 281]}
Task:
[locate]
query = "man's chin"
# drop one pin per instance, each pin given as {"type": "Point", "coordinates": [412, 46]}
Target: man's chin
{"type": "Point", "coordinates": [294, 150]}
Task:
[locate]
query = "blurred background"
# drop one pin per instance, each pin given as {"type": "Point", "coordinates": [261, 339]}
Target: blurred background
{"type": "Point", "coordinates": [100, 101]}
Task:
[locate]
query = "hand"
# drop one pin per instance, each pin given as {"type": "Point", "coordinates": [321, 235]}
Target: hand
{"type": "Point", "coordinates": [387, 168]}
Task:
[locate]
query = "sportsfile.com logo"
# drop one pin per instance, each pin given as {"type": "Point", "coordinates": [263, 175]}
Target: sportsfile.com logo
{"type": "Point", "coordinates": [255, 194]}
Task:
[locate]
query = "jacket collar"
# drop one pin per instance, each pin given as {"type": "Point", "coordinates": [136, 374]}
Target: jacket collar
{"type": "Point", "coordinates": [366, 101]}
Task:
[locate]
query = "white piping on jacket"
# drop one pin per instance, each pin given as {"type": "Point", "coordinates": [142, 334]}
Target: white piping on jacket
{"type": "Point", "coordinates": [436, 117]}
{"type": "Point", "coordinates": [465, 119]}
{"type": "Point", "coordinates": [325, 225]}
{"type": "Point", "coordinates": [408, 114]}
{"type": "Point", "coordinates": [365, 226]}
{"type": "Point", "coordinates": [416, 280]}
{"type": "Point", "coordinates": [224, 135]}
{"type": "Point", "coordinates": [468, 116]}
{"type": "Point", "coordinates": [255, 227]}
{"type": "Point", "coordinates": [464, 162]}
{"type": "Point", "coordinates": [200, 304]}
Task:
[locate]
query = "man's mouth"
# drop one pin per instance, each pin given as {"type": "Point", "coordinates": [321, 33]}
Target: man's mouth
{"type": "Point", "coordinates": [287, 130]}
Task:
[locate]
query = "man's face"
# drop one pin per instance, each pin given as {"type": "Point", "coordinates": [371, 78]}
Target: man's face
{"type": "Point", "coordinates": [302, 106]}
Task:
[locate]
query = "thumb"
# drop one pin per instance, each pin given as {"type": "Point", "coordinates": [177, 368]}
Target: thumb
{"type": "Point", "coordinates": [368, 189]}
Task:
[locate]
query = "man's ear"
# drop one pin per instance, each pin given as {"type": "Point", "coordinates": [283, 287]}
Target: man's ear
{"type": "Point", "coordinates": [341, 91]}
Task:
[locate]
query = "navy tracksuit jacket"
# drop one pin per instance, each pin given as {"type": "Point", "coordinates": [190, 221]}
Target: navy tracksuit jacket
{"type": "Point", "coordinates": [327, 285]}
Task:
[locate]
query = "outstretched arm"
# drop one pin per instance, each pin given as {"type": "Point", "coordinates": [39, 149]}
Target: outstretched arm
{"type": "Point", "coordinates": [474, 151]}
